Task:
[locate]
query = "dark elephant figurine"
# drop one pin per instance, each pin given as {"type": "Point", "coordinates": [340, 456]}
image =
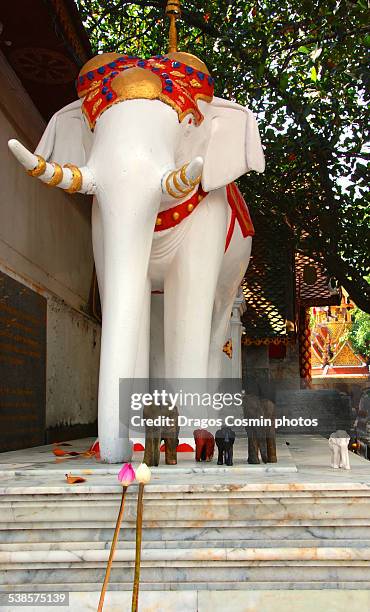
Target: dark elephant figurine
{"type": "Point", "coordinates": [204, 445]}
{"type": "Point", "coordinates": [225, 438]}
{"type": "Point", "coordinates": [261, 439]}
{"type": "Point", "coordinates": [154, 434]}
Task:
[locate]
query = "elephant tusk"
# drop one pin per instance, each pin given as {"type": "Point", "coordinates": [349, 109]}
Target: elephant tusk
{"type": "Point", "coordinates": [180, 182]}
{"type": "Point", "coordinates": [70, 178]}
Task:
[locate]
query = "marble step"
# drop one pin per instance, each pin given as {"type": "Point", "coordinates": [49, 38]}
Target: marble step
{"type": "Point", "coordinates": [152, 545]}
{"type": "Point", "coordinates": [209, 536]}
{"type": "Point", "coordinates": [217, 601]}
{"type": "Point", "coordinates": [204, 528]}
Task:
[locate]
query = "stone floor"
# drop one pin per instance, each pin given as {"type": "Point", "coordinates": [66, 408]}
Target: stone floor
{"type": "Point", "coordinates": [302, 459]}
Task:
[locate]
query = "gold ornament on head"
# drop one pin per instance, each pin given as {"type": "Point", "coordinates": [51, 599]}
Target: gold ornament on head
{"type": "Point", "coordinates": [173, 12]}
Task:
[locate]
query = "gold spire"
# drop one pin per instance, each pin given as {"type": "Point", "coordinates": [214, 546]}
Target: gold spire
{"type": "Point", "coordinates": [173, 11]}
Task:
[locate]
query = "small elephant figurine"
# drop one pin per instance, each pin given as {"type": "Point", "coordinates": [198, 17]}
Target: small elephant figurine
{"type": "Point", "coordinates": [154, 434]}
{"type": "Point", "coordinates": [204, 445]}
{"type": "Point", "coordinates": [261, 440]}
{"type": "Point", "coordinates": [338, 443]}
{"type": "Point", "coordinates": [225, 438]}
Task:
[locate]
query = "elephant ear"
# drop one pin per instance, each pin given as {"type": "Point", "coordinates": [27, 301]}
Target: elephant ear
{"type": "Point", "coordinates": [62, 140]}
{"type": "Point", "coordinates": [234, 144]}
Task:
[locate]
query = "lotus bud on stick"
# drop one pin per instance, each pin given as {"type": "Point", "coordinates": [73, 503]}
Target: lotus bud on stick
{"type": "Point", "coordinates": [126, 476]}
{"type": "Point", "coordinates": [143, 476]}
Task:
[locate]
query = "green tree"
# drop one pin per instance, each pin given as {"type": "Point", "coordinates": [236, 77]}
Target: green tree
{"type": "Point", "coordinates": [359, 335]}
{"type": "Point", "coordinates": [301, 66]}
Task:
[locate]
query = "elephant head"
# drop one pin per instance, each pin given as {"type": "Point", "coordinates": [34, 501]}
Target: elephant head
{"type": "Point", "coordinates": [222, 133]}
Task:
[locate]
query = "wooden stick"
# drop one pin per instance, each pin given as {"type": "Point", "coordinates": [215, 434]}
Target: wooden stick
{"type": "Point", "coordinates": [139, 531]}
{"type": "Point", "coordinates": [112, 550]}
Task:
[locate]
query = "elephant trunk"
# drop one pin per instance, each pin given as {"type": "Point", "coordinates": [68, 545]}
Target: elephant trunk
{"type": "Point", "coordinates": [70, 178]}
{"type": "Point", "coordinates": [178, 183]}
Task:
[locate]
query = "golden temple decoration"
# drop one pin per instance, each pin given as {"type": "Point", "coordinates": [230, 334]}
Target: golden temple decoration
{"type": "Point", "coordinates": [173, 12]}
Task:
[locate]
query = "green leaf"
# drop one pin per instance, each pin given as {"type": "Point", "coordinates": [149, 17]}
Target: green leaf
{"type": "Point", "coordinates": [304, 50]}
{"type": "Point", "coordinates": [283, 83]}
{"type": "Point", "coordinates": [260, 70]}
{"type": "Point", "coordinates": [313, 74]}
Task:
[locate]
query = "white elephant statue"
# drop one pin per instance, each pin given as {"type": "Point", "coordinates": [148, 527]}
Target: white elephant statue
{"type": "Point", "coordinates": [159, 153]}
{"type": "Point", "coordinates": [338, 443]}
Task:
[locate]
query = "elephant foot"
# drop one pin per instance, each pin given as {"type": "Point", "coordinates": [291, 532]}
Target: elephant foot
{"type": "Point", "coordinates": [117, 450]}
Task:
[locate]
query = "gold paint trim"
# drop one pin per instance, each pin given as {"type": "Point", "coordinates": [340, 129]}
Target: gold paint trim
{"type": "Point", "coordinates": [76, 178]}
{"type": "Point", "coordinates": [179, 187]}
{"type": "Point", "coordinates": [40, 168]}
{"type": "Point", "coordinates": [170, 190]}
{"type": "Point", "coordinates": [57, 175]}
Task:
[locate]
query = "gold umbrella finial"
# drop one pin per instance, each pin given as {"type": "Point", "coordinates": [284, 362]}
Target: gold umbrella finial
{"type": "Point", "coordinates": [173, 12]}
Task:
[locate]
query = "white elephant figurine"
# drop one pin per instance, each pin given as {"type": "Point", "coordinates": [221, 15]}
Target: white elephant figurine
{"type": "Point", "coordinates": [338, 443]}
{"type": "Point", "coordinates": [159, 153]}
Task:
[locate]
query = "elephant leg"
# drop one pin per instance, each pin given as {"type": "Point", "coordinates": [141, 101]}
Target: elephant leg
{"type": "Point", "coordinates": [253, 457]}
{"type": "Point", "coordinates": [271, 448]}
{"type": "Point", "coordinates": [198, 450]}
{"type": "Point", "coordinates": [203, 455]}
{"type": "Point", "coordinates": [152, 450]}
{"type": "Point", "coordinates": [220, 460]}
{"type": "Point", "coordinates": [142, 357]}
{"type": "Point", "coordinates": [230, 453]}
{"type": "Point", "coordinates": [157, 368]}
{"type": "Point", "coordinates": [234, 265]}
{"type": "Point", "coordinates": [170, 451]}
{"type": "Point", "coordinates": [209, 450]}
{"type": "Point", "coordinates": [336, 457]}
{"type": "Point", "coordinates": [126, 262]}
{"type": "Point", "coordinates": [189, 291]}
{"type": "Point", "coordinates": [262, 443]}
{"type": "Point", "coordinates": [344, 458]}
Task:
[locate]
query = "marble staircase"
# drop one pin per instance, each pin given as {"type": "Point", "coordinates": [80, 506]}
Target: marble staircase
{"type": "Point", "coordinates": [227, 530]}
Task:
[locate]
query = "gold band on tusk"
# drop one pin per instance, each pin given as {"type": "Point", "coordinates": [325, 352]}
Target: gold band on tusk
{"type": "Point", "coordinates": [76, 178]}
{"type": "Point", "coordinates": [179, 187]}
{"type": "Point", "coordinates": [57, 175]}
{"type": "Point", "coordinates": [170, 190]}
{"type": "Point", "coordinates": [183, 176]}
{"type": "Point", "coordinates": [185, 179]}
{"type": "Point", "coordinates": [40, 168]}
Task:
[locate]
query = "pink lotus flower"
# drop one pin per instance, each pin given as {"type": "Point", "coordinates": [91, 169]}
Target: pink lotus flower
{"type": "Point", "coordinates": [126, 475]}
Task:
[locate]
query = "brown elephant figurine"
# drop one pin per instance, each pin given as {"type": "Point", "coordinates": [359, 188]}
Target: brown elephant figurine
{"type": "Point", "coordinates": [261, 439]}
{"type": "Point", "coordinates": [168, 431]}
{"type": "Point", "coordinates": [204, 445]}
